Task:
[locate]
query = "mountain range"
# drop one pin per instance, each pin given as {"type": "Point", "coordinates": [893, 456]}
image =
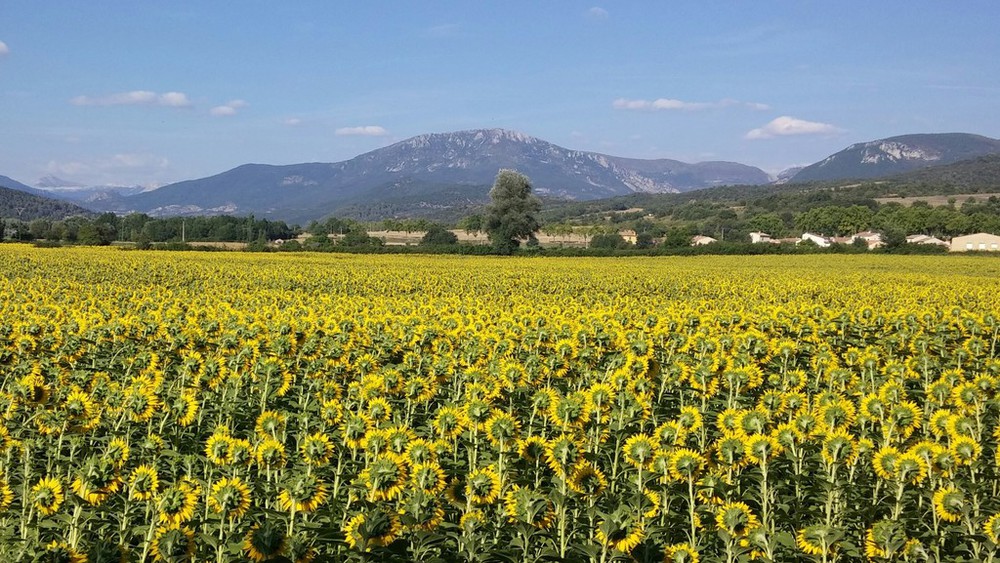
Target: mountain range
{"type": "Point", "coordinates": [434, 171]}
{"type": "Point", "coordinates": [445, 175]}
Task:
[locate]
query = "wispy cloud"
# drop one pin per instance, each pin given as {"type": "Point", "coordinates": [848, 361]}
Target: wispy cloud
{"type": "Point", "coordinates": [114, 169]}
{"type": "Point", "coordinates": [673, 104]}
{"type": "Point", "coordinates": [229, 108]}
{"type": "Point", "coordinates": [136, 98]}
{"type": "Point", "coordinates": [787, 126]}
{"type": "Point", "coordinates": [597, 13]}
{"type": "Point", "coordinates": [4, 49]}
{"type": "Point", "coordinates": [363, 131]}
{"type": "Point", "coordinates": [292, 121]}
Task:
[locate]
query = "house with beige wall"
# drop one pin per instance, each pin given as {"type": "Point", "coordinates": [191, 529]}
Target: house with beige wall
{"type": "Point", "coordinates": [979, 241]}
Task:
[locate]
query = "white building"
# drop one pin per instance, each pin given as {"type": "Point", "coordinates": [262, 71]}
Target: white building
{"type": "Point", "coordinates": [925, 239]}
{"type": "Point", "coordinates": [699, 240]}
{"type": "Point", "coordinates": [979, 241]}
{"type": "Point", "coordinates": [818, 240]}
{"type": "Point", "coordinates": [758, 238]}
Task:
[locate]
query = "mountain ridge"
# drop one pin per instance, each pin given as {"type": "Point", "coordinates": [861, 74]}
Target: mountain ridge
{"type": "Point", "coordinates": [898, 154]}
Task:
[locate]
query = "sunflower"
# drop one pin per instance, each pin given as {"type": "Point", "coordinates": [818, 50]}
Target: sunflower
{"type": "Point", "coordinates": [62, 552]}
{"type": "Point", "coordinates": [949, 503]}
{"type": "Point", "coordinates": [144, 482]}
{"type": "Point", "coordinates": [639, 450]}
{"type": "Point", "coordinates": [671, 433]}
{"type": "Point", "coordinates": [97, 481]}
{"type": "Point", "coordinates": [531, 448]}
{"type": "Point", "coordinates": [332, 411]}
{"type": "Point", "coordinates": [502, 429]}
{"type": "Point", "coordinates": [376, 528]}
{"type": "Point", "coordinates": [736, 519]}
{"type": "Point", "coordinates": [47, 495]}
{"type": "Point", "coordinates": [6, 495]}
{"type": "Point", "coordinates": [619, 534]}
{"type": "Point", "coordinates": [992, 528]}
{"type": "Point", "coordinates": [449, 422]}
{"type": "Point", "coordinates": [173, 544]}
{"type": "Point", "coordinates": [483, 485]}
{"type": "Point", "coordinates": [562, 452]}
{"type": "Point", "coordinates": [421, 451]}
{"type": "Point", "coordinates": [141, 402]}
{"type": "Point", "coordinates": [353, 428]}
{"type": "Point", "coordinates": [185, 407]}
{"type": "Point", "coordinates": [217, 448]}
{"type": "Point", "coordinates": [119, 451]}
{"type": "Point", "coordinates": [587, 479]}
{"type": "Point", "coordinates": [759, 448]}
{"type": "Point", "coordinates": [427, 477]}
{"type": "Point", "coordinates": [472, 520]}
{"type": "Point", "coordinates": [839, 446]}
{"type": "Point", "coordinates": [304, 494]}
{"type": "Point", "coordinates": [911, 468]}
{"type": "Point", "coordinates": [730, 451]}
{"type": "Point", "coordinates": [270, 453]}
{"type": "Point", "coordinates": [817, 539]}
{"type": "Point", "coordinates": [680, 553]}
{"type": "Point", "coordinates": [965, 450]}
{"type": "Point", "coordinates": [572, 409]}
{"type": "Point", "coordinates": [270, 424]}
{"type": "Point", "coordinates": [885, 462]}
{"type": "Point", "coordinates": [176, 504]}
{"type": "Point", "coordinates": [316, 449]}
{"type": "Point", "coordinates": [229, 497]}
{"type": "Point", "coordinates": [528, 506]}
{"type": "Point", "coordinates": [686, 464]}
{"type": "Point", "coordinates": [265, 541]}
{"type": "Point", "coordinates": [384, 477]}
{"type": "Point", "coordinates": [379, 410]}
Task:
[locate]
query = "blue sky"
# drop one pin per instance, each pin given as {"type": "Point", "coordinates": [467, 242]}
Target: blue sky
{"type": "Point", "coordinates": [153, 92]}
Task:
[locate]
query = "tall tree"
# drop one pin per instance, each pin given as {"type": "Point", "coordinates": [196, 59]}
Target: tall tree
{"type": "Point", "coordinates": [512, 212]}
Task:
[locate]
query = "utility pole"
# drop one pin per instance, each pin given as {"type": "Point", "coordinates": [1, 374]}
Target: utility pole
{"type": "Point", "coordinates": [183, 230]}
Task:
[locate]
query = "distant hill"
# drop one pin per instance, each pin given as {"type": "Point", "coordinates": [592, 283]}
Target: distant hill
{"type": "Point", "coordinates": [896, 155]}
{"type": "Point", "coordinates": [13, 184]}
{"type": "Point", "coordinates": [428, 174]}
{"type": "Point", "coordinates": [25, 206]}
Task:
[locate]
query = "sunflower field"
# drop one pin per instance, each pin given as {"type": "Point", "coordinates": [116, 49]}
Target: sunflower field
{"type": "Point", "coordinates": [230, 407]}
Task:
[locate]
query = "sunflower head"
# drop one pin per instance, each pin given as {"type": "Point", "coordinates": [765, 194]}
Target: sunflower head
{"type": "Point", "coordinates": [372, 528]}
{"type": "Point", "coordinates": [264, 541]}
{"type": "Point", "coordinates": [528, 506]}
{"type": "Point", "coordinates": [736, 519]}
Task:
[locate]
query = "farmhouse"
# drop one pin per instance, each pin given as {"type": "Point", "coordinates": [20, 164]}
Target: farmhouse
{"type": "Point", "coordinates": [979, 241]}
{"type": "Point", "coordinates": [818, 240]}
{"type": "Point", "coordinates": [759, 237]}
{"type": "Point", "coordinates": [629, 235]}
{"type": "Point", "coordinates": [700, 240]}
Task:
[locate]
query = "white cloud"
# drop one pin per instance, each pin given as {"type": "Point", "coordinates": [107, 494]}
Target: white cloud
{"type": "Point", "coordinates": [364, 131]}
{"type": "Point", "coordinates": [4, 49]}
{"type": "Point", "coordinates": [784, 126]}
{"type": "Point", "coordinates": [229, 108]}
{"type": "Point", "coordinates": [672, 104]}
{"type": "Point", "coordinates": [597, 13]}
{"type": "Point", "coordinates": [292, 121]}
{"type": "Point", "coordinates": [136, 98]}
